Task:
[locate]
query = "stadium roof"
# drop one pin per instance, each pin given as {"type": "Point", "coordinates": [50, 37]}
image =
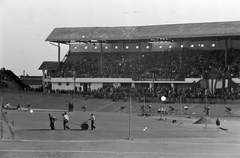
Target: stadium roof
{"type": "Point", "coordinates": [173, 31]}
{"type": "Point", "coordinates": [49, 65]}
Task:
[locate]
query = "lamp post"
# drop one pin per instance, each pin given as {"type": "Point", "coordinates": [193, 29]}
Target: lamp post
{"type": "Point", "coordinates": [206, 110]}
{"type": "Point", "coordinates": [154, 71]}
{"type": "Point", "coordinates": [144, 101]}
{"type": "Point", "coordinates": [130, 117]}
{"type": "Point", "coordinates": [181, 109]}
{"type": "Point", "coordinates": [163, 98]}
{"type": "Point", "coordinates": [74, 82]}
{"type": "Point", "coordinates": [1, 117]}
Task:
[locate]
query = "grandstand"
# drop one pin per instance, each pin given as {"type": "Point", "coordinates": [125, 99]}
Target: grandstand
{"type": "Point", "coordinates": [180, 54]}
{"type": "Point", "coordinates": [10, 81]}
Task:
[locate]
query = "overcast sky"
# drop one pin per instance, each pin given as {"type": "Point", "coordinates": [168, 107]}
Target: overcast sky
{"type": "Point", "coordinates": [25, 24]}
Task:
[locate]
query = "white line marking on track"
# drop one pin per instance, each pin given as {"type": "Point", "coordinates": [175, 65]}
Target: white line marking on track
{"type": "Point", "coordinates": [115, 152]}
{"type": "Point", "coordinates": [122, 140]}
{"type": "Point", "coordinates": [104, 106]}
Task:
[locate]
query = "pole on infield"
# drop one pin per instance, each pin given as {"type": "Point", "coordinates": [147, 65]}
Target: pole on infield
{"type": "Point", "coordinates": [1, 113]}
{"type": "Point", "coordinates": [160, 109]}
{"type": "Point", "coordinates": [130, 118]}
{"type": "Point", "coordinates": [181, 109]}
{"type": "Point", "coordinates": [162, 99]}
{"type": "Point", "coordinates": [206, 117]}
{"type": "Point", "coordinates": [74, 83]}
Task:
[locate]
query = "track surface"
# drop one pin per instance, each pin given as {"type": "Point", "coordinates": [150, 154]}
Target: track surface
{"type": "Point", "coordinates": [173, 148]}
{"type": "Point", "coordinates": [30, 134]}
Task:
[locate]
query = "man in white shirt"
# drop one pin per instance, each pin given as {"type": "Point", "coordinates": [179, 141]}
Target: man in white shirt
{"type": "Point", "coordinates": [92, 122]}
{"type": "Point", "coordinates": [65, 121]}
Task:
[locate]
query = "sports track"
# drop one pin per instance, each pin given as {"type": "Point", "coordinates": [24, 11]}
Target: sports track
{"type": "Point", "coordinates": [28, 134]}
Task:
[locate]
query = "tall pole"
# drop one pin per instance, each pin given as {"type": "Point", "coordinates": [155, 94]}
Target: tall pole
{"type": "Point", "coordinates": [1, 113]}
{"type": "Point", "coordinates": [74, 85]}
{"type": "Point", "coordinates": [74, 82]}
{"type": "Point", "coordinates": [160, 109]}
{"type": "Point", "coordinates": [181, 108]}
{"type": "Point", "coordinates": [139, 55]}
{"type": "Point", "coordinates": [180, 62]}
{"type": "Point", "coordinates": [206, 111]}
{"type": "Point", "coordinates": [101, 63]}
{"type": "Point", "coordinates": [1, 76]}
{"type": "Point", "coordinates": [226, 47]}
{"type": "Point", "coordinates": [153, 81]}
{"type": "Point", "coordinates": [163, 98]}
{"type": "Point", "coordinates": [180, 56]}
{"type": "Point", "coordinates": [130, 118]}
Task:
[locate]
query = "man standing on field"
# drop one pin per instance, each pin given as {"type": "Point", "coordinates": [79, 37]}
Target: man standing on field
{"type": "Point", "coordinates": [92, 122]}
{"type": "Point", "coordinates": [52, 119]}
{"type": "Point", "coordinates": [65, 121]}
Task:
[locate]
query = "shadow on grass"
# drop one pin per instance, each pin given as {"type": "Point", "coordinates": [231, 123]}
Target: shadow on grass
{"type": "Point", "coordinates": [41, 130]}
{"type": "Point", "coordinates": [52, 130]}
{"type": "Point", "coordinates": [78, 130]}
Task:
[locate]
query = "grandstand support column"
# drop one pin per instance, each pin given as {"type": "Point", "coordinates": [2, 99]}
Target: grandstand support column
{"type": "Point", "coordinates": [59, 54]}
{"type": "Point", "coordinates": [230, 44]}
{"type": "Point", "coordinates": [101, 58]}
{"type": "Point", "coordinates": [74, 82]}
{"type": "Point", "coordinates": [180, 56]}
{"type": "Point", "coordinates": [226, 46]}
{"type": "Point", "coordinates": [172, 85]}
{"type": "Point", "coordinates": [43, 80]}
{"type": "Point", "coordinates": [1, 77]}
{"type": "Point", "coordinates": [59, 50]}
{"type": "Point", "coordinates": [139, 55]}
{"type": "Point", "coordinates": [153, 82]}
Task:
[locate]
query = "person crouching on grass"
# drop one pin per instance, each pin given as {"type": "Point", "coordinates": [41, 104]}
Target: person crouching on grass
{"type": "Point", "coordinates": [52, 119]}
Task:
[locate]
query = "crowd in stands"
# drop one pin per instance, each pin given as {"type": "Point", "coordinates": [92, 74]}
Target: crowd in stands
{"type": "Point", "coordinates": [145, 94]}
{"type": "Point", "coordinates": [85, 68]}
{"type": "Point", "coordinates": [170, 64]}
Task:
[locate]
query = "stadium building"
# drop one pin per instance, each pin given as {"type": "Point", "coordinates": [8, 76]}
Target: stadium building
{"type": "Point", "coordinates": [175, 55]}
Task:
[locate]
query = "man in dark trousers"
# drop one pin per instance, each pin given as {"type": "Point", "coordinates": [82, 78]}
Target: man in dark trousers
{"type": "Point", "coordinates": [92, 121]}
{"type": "Point", "coordinates": [52, 119]}
{"type": "Point", "coordinates": [70, 106]}
{"type": "Point", "coordinates": [65, 121]}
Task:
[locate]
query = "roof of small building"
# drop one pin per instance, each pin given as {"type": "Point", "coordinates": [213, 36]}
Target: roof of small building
{"type": "Point", "coordinates": [49, 65]}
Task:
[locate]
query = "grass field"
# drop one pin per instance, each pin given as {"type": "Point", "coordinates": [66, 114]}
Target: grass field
{"type": "Point", "coordinates": [113, 126]}
{"type": "Point", "coordinates": [60, 102]}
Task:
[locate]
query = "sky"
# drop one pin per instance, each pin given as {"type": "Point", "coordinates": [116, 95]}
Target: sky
{"type": "Point", "coordinates": [25, 24]}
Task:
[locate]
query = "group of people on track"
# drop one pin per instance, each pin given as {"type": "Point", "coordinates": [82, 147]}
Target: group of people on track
{"type": "Point", "coordinates": [53, 119]}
